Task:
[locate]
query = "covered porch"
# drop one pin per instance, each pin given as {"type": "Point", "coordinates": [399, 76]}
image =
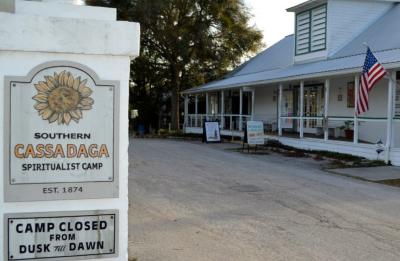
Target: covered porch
{"type": "Point", "coordinates": [310, 113]}
{"type": "Point", "coordinates": [232, 108]}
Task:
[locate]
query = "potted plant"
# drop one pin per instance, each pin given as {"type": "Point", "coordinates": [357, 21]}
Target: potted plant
{"type": "Point", "coordinates": [348, 128]}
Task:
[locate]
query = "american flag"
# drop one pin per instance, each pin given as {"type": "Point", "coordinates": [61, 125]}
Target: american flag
{"type": "Point", "coordinates": [373, 71]}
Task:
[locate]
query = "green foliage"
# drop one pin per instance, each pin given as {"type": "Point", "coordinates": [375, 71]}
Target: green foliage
{"type": "Point", "coordinates": [320, 153]}
{"type": "Point", "coordinates": [348, 125]}
{"type": "Point", "coordinates": [185, 43]}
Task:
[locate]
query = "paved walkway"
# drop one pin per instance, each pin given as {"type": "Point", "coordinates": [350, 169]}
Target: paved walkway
{"type": "Point", "coordinates": [373, 174]}
{"type": "Point", "coordinates": [192, 201]}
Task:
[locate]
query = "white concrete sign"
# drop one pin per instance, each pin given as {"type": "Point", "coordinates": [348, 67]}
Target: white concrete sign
{"type": "Point", "coordinates": [62, 135]}
{"type": "Point", "coordinates": [64, 131]}
{"type": "Point", "coordinates": [255, 133]}
{"type": "Point", "coordinates": [61, 236]}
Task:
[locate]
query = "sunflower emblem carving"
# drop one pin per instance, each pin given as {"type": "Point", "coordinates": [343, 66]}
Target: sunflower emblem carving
{"type": "Point", "coordinates": [62, 98]}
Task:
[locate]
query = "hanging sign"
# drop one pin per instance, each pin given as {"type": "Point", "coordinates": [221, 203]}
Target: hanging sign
{"type": "Point", "coordinates": [62, 136]}
{"type": "Point", "coordinates": [211, 131]}
{"type": "Point", "coordinates": [255, 133]}
{"type": "Point", "coordinates": [61, 236]}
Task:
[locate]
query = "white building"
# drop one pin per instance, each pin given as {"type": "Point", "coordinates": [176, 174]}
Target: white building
{"type": "Point", "coordinates": [304, 87]}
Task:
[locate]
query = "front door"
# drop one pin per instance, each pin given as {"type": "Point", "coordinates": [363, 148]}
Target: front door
{"type": "Point", "coordinates": [287, 109]}
{"type": "Point", "coordinates": [313, 107]}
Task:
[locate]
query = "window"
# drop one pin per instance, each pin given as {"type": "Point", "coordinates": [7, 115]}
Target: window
{"type": "Point", "coordinates": [311, 30]}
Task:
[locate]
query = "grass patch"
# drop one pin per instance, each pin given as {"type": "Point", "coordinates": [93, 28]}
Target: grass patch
{"type": "Point", "coordinates": [390, 182]}
{"type": "Point", "coordinates": [190, 136]}
{"type": "Point", "coordinates": [337, 160]}
{"type": "Point", "coordinates": [337, 156]}
{"type": "Point", "coordinates": [316, 154]}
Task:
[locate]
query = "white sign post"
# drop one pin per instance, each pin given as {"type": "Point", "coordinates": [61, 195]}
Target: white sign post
{"type": "Point", "coordinates": [64, 85]}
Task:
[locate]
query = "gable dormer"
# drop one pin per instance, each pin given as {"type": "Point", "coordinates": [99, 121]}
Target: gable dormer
{"type": "Point", "coordinates": [323, 27]}
{"type": "Point", "coordinates": [311, 30]}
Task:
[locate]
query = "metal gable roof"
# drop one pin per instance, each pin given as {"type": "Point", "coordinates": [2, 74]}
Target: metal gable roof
{"type": "Point", "coordinates": [312, 3]}
{"type": "Point", "coordinates": [350, 64]}
{"type": "Point", "coordinates": [276, 63]}
{"type": "Point", "coordinates": [305, 5]}
{"type": "Point", "coordinates": [280, 55]}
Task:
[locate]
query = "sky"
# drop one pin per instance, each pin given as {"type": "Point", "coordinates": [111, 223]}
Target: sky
{"type": "Point", "coordinates": [271, 17]}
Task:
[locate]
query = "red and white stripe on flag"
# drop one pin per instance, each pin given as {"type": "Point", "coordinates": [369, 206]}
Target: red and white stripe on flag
{"type": "Point", "coordinates": [373, 71]}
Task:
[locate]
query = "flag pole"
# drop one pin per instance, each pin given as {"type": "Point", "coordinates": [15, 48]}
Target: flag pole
{"type": "Point", "coordinates": [356, 90]}
{"type": "Point", "coordinates": [392, 86]}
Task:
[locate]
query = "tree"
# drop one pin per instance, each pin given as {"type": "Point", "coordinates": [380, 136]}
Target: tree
{"type": "Point", "coordinates": [186, 43]}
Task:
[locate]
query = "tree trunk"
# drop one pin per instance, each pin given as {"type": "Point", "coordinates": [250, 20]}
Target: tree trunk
{"type": "Point", "coordinates": [175, 88]}
{"type": "Point", "coordinates": [175, 109]}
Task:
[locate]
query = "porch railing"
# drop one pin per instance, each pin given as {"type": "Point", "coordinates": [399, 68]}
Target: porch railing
{"type": "Point", "coordinates": [234, 122]}
{"type": "Point", "coordinates": [230, 122]}
{"type": "Point", "coordinates": [342, 128]}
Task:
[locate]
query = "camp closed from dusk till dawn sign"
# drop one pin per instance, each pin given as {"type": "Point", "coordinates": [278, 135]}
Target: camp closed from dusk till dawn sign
{"type": "Point", "coordinates": [62, 137]}
{"type": "Point", "coordinates": [62, 236]}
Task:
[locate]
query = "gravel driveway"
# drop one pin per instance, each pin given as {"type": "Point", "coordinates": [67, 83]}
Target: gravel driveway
{"type": "Point", "coordinates": [191, 201]}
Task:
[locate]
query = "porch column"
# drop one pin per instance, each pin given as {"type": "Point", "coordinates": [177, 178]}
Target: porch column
{"type": "Point", "coordinates": [196, 109]}
{"type": "Point", "coordinates": [389, 128]}
{"type": "Point", "coordinates": [280, 110]}
{"type": "Point", "coordinates": [326, 109]}
{"type": "Point", "coordinates": [356, 88]}
{"type": "Point", "coordinates": [240, 108]}
{"type": "Point", "coordinates": [394, 93]}
{"type": "Point", "coordinates": [186, 119]}
{"type": "Point", "coordinates": [301, 109]}
{"type": "Point", "coordinates": [253, 98]}
{"type": "Point", "coordinates": [222, 109]}
{"type": "Point", "coordinates": [206, 105]}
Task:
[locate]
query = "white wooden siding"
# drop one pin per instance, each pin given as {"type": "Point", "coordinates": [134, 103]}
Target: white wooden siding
{"type": "Point", "coordinates": [266, 102]}
{"type": "Point", "coordinates": [348, 18]}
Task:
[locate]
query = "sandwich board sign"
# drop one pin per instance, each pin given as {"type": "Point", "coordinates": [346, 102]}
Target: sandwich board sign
{"type": "Point", "coordinates": [211, 131]}
{"type": "Point", "coordinates": [255, 133]}
{"type": "Point", "coordinates": [61, 137]}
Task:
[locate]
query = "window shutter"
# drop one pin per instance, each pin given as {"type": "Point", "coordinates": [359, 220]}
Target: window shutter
{"type": "Point", "coordinates": [318, 28]}
{"type": "Point", "coordinates": [311, 30]}
{"type": "Point", "coordinates": [303, 33]}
